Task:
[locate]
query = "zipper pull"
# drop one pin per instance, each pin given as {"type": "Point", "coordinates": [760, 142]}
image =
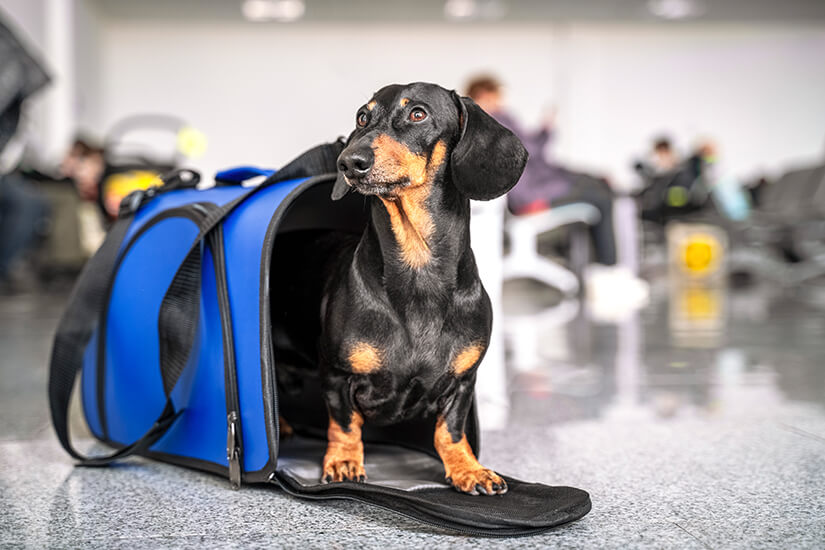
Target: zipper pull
{"type": "Point", "coordinates": [233, 450]}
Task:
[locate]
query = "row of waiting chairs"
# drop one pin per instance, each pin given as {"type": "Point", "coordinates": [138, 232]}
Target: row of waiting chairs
{"type": "Point", "coordinates": [788, 224]}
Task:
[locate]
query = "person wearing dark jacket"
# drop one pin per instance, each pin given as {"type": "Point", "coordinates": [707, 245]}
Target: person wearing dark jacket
{"type": "Point", "coordinates": [21, 210]}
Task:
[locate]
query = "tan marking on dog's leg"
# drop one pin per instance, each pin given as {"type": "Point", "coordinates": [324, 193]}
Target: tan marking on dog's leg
{"type": "Point", "coordinates": [344, 459]}
{"type": "Point", "coordinates": [364, 358]}
{"type": "Point", "coordinates": [466, 359]}
{"type": "Point", "coordinates": [284, 429]}
{"type": "Point", "coordinates": [461, 467]}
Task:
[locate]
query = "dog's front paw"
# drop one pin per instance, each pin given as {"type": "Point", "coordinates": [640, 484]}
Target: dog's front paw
{"type": "Point", "coordinates": [478, 481]}
{"type": "Point", "coordinates": [343, 470]}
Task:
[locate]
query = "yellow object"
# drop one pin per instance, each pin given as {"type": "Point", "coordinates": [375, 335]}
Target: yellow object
{"type": "Point", "coordinates": [696, 251]}
{"type": "Point", "coordinates": [700, 303]}
{"type": "Point", "coordinates": [191, 142]}
{"type": "Point", "coordinates": [123, 183]}
{"type": "Point", "coordinates": [699, 255]}
{"type": "Point", "coordinates": [677, 196]}
{"type": "Point", "coordinates": [117, 186]}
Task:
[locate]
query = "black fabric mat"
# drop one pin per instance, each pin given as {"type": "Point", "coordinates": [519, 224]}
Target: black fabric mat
{"type": "Point", "coordinates": [412, 483]}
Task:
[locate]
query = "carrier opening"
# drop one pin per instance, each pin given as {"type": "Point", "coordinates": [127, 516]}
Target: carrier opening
{"type": "Point", "coordinates": [313, 232]}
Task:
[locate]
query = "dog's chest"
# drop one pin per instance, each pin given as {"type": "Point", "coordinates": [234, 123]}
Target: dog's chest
{"type": "Point", "coordinates": [403, 391]}
{"type": "Point", "coordinates": [418, 373]}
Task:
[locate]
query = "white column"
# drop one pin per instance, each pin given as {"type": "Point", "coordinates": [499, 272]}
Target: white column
{"type": "Point", "coordinates": [486, 230]}
{"type": "Point", "coordinates": [60, 120]}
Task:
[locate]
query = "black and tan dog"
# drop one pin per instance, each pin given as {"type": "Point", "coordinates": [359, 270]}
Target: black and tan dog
{"type": "Point", "coordinates": [406, 320]}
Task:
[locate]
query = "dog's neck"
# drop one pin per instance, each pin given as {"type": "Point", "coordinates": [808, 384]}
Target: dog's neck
{"type": "Point", "coordinates": [421, 237]}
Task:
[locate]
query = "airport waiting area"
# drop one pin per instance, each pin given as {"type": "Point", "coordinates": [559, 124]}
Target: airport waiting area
{"type": "Point", "coordinates": [565, 289]}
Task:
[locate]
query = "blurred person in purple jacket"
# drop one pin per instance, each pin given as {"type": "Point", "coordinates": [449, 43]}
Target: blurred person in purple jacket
{"type": "Point", "coordinates": [544, 183]}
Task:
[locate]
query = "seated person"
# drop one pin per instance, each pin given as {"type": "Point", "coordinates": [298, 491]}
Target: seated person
{"type": "Point", "coordinates": [544, 183]}
{"type": "Point", "coordinates": [674, 187]}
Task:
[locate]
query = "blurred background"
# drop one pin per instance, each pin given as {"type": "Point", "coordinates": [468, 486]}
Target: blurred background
{"type": "Point", "coordinates": [661, 261]}
{"type": "Point", "coordinates": [215, 83]}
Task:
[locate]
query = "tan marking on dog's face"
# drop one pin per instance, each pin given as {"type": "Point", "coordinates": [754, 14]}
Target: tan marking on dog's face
{"type": "Point", "coordinates": [404, 101]}
{"type": "Point", "coordinates": [395, 162]}
{"type": "Point", "coordinates": [371, 105]}
{"type": "Point", "coordinates": [344, 459]}
{"type": "Point", "coordinates": [411, 222]}
{"type": "Point", "coordinates": [364, 358]}
{"type": "Point", "coordinates": [466, 359]}
{"type": "Point", "coordinates": [461, 466]}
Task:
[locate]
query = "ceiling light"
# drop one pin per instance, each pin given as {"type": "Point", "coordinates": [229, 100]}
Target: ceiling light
{"type": "Point", "coordinates": [465, 10]}
{"type": "Point", "coordinates": [460, 9]}
{"type": "Point", "coordinates": [676, 9]}
{"type": "Point", "coordinates": [284, 11]}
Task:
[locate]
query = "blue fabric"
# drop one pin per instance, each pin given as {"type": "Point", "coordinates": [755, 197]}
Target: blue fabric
{"type": "Point", "coordinates": [200, 432]}
{"type": "Point", "coordinates": [244, 233]}
{"type": "Point", "coordinates": [133, 389]}
{"type": "Point", "coordinates": [174, 199]}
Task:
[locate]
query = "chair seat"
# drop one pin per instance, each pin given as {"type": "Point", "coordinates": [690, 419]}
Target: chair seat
{"type": "Point", "coordinates": [577, 212]}
{"type": "Point", "coordinates": [524, 261]}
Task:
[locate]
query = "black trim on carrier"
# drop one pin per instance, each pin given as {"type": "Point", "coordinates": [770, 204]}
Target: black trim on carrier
{"type": "Point", "coordinates": [268, 376]}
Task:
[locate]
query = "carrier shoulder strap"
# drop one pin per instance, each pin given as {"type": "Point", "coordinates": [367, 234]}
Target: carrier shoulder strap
{"type": "Point", "coordinates": [73, 334]}
{"type": "Point", "coordinates": [88, 300]}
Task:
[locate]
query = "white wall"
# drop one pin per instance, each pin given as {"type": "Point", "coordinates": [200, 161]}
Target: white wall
{"type": "Point", "coordinates": [88, 48]}
{"type": "Point", "coordinates": [758, 91]}
{"type": "Point", "coordinates": [263, 93]}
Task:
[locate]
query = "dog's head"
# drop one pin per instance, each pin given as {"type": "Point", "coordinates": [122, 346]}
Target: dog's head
{"type": "Point", "coordinates": [407, 135]}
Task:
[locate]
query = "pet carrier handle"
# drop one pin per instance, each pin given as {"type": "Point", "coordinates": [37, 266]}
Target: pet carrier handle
{"type": "Point", "coordinates": [240, 174]}
{"type": "Point", "coordinates": [73, 334]}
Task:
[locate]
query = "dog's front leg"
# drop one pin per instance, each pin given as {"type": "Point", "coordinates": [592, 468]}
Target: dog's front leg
{"type": "Point", "coordinates": [461, 466]}
{"type": "Point", "coordinates": [344, 459]}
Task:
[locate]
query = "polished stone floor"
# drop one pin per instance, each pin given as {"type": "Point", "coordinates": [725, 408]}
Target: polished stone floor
{"type": "Point", "coordinates": [698, 422]}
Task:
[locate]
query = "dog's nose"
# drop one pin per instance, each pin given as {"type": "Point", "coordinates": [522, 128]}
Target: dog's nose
{"type": "Point", "coordinates": [356, 163]}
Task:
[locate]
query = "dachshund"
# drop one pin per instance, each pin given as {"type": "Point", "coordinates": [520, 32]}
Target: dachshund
{"type": "Point", "coordinates": [405, 320]}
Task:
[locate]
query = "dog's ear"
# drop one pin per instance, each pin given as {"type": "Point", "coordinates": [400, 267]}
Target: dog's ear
{"type": "Point", "coordinates": [488, 159]}
{"type": "Point", "coordinates": [341, 187]}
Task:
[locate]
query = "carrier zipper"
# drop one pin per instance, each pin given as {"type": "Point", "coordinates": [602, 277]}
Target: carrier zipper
{"type": "Point", "coordinates": [234, 439]}
{"type": "Point", "coordinates": [233, 449]}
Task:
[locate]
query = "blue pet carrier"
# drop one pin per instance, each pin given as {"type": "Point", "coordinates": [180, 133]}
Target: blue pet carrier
{"type": "Point", "coordinates": [170, 326]}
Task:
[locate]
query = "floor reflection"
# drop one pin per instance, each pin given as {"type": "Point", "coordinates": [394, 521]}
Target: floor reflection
{"type": "Point", "coordinates": [697, 351]}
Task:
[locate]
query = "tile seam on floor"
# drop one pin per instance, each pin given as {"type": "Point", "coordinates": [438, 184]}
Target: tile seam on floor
{"type": "Point", "coordinates": [700, 541]}
{"type": "Point", "coordinates": [802, 433]}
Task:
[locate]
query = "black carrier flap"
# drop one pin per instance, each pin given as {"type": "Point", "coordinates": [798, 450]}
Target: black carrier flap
{"type": "Point", "coordinates": [411, 483]}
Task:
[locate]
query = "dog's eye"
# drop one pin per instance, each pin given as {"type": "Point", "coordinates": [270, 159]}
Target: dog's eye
{"type": "Point", "coordinates": [417, 115]}
{"type": "Point", "coordinates": [361, 119]}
